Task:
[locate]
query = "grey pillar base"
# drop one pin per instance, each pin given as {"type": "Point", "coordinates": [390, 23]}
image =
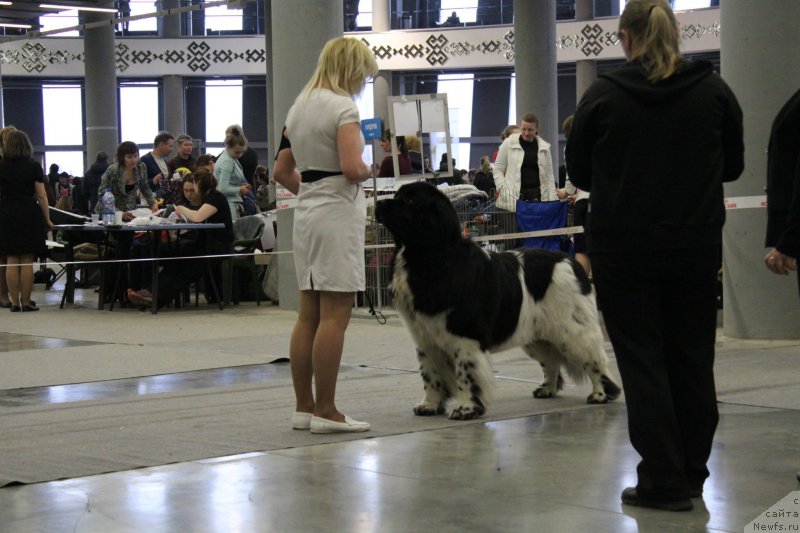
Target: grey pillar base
{"type": "Point", "coordinates": [288, 293]}
{"type": "Point", "coordinates": [757, 303]}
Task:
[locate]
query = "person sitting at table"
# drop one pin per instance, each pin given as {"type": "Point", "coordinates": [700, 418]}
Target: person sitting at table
{"type": "Point", "coordinates": [205, 161]}
{"type": "Point", "coordinates": [125, 178]}
{"type": "Point", "coordinates": [177, 275]}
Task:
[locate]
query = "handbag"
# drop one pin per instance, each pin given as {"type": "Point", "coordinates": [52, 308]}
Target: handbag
{"type": "Point", "coordinates": [537, 216]}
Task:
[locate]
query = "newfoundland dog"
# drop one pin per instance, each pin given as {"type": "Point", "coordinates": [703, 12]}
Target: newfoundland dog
{"type": "Point", "coordinates": [462, 303]}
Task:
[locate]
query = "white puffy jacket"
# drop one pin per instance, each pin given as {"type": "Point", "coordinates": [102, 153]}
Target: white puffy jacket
{"type": "Point", "coordinates": [507, 172]}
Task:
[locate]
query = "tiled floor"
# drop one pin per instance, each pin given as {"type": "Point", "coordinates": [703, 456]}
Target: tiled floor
{"type": "Point", "coordinates": [557, 472]}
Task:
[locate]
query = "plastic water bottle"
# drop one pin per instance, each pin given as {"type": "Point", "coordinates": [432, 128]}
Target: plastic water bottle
{"type": "Point", "coordinates": [109, 219]}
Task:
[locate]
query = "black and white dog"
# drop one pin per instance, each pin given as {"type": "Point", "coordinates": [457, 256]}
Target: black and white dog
{"type": "Point", "coordinates": [462, 302]}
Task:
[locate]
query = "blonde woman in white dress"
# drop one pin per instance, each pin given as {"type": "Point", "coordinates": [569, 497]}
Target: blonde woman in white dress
{"type": "Point", "coordinates": [320, 161]}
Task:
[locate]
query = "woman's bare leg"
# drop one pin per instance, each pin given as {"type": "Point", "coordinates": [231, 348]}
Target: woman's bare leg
{"type": "Point", "coordinates": [12, 278]}
{"type": "Point", "coordinates": [26, 279]}
{"type": "Point", "coordinates": [4, 299]}
{"type": "Point", "coordinates": [300, 350]}
{"type": "Point", "coordinates": [335, 309]}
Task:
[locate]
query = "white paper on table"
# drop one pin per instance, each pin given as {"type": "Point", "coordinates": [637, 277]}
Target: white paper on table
{"type": "Point", "coordinates": [432, 112]}
{"type": "Point", "coordinates": [141, 212]}
{"type": "Point", "coordinates": [405, 118]}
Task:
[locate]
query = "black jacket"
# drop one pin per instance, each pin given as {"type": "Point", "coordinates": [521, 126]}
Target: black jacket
{"type": "Point", "coordinates": [783, 180]}
{"type": "Point", "coordinates": [654, 156]}
{"type": "Point", "coordinates": [92, 179]}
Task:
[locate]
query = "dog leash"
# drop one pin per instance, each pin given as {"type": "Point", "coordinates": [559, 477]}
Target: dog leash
{"type": "Point", "coordinates": [376, 314]}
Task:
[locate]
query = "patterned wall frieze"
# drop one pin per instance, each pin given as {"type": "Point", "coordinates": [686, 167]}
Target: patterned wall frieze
{"type": "Point", "coordinates": [441, 48]}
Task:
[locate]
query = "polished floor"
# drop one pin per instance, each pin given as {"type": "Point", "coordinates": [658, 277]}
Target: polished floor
{"type": "Point", "coordinates": [559, 470]}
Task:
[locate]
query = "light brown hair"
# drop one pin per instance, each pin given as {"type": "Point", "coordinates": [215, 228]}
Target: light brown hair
{"type": "Point", "coordinates": [652, 25]}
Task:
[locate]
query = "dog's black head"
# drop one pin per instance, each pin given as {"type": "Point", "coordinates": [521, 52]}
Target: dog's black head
{"type": "Point", "coordinates": [420, 215]}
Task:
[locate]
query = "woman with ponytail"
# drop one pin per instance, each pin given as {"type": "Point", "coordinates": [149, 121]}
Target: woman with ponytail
{"type": "Point", "coordinates": [653, 142]}
{"type": "Point", "coordinates": [230, 177]}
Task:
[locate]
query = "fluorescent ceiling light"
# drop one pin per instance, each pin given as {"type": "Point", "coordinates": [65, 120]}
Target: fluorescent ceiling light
{"type": "Point", "coordinates": [78, 8]}
{"type": "Point", "coordinates": [9, 25]}
{"type": "Point", "coordinates": [4, 3]}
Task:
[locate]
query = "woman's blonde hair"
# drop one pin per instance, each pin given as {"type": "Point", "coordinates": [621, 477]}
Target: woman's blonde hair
{"type": "Point", "coordinates": [485, 165]}
{"type": "Point", "coordinates": [653, 24]}
{"type": "Point", "coordinates": [234, 136]}
{"type": "Point", "coordinates": [413, 143]}
{"type": "Point", "coordinates": [4, 135]}
{"type": "Point", "coordinates": [343, 67]}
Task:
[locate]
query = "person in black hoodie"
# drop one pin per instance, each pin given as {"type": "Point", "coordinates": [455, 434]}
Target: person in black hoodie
{"type": "Point", "coordinates": [783, 189]}
{"type": "Point", "coordinates": [653, 142]}
{"type": "Point", "coordinates": [92, 178]}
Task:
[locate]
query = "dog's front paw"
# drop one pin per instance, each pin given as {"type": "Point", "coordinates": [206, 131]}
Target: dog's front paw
{"type": "Point", "coordinates": [466, 412]}
{"type": "Point", "coordinates": [426, 409]}
{"type": "Point", "coordinates": [597, 397]}
{"type": "Point", "coordinates": [543, 392]}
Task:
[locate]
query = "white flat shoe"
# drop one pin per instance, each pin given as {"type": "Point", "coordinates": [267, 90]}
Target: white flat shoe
{"type": "Point", "coordinates": [301, 420]}
{"type": "Point", "coordinates": [323, 425]}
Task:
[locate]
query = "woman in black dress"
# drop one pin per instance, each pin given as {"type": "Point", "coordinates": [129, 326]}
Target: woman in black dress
{"type": "Point", "coordinates": [5, 301]}
{"type": "Point", "coordinates": [23, 223]}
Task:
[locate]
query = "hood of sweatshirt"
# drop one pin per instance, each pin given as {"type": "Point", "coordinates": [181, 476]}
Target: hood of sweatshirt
{"type": "Point", "coordinates": [632, 79]}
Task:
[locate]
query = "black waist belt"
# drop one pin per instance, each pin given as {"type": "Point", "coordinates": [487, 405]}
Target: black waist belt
{"type": "Point", "coordinates": [310, 176]}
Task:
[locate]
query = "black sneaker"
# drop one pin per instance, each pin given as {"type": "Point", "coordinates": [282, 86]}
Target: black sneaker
{"type": "Point", "coordinates": [631, 497]}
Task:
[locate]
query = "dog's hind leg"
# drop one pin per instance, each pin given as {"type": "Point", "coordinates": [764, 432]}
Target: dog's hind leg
{"type": "Point", "coordinates": [436, 383]}
{"type": "Point", "coordinates": [474, 384]}
{"type": "Point", "coordinates": [551, 361]}
{"type": "Point", "coordinates": [587, 346]}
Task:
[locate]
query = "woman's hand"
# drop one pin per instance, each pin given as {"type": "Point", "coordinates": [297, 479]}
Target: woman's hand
{"type": "Point", "coordinates": [244, 190]}
{"type": "Point", "coordinates": [127, 216]}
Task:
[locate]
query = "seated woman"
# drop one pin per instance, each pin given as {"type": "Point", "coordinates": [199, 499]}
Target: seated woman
{"type": "Point", "coordinates": [177, 275]}
{"type": "Point", "coordinates": [127, 179]}
{"type": "Point", "coordinates": [403, 160]}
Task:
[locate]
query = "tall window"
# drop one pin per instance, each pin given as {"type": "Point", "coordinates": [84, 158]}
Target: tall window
{"type": "Point", "coordinates": [686, 5]}
{"type": "Point", "coordinates": [465, 10]}
{"type": "Point", "coordinates": [364, 18]}
{"type": "Point", "coordinates": [678, 5]}
{"type": "Point", "coordinates": [366, 109]}
{"type": "Point", "coordinates": [221, 18]}
{"type": "Point", "coordinates": [63, 19]}
{"type": "Point", "coordinates": [63, 126]}
{"type": "Point", "coordinates": [458, 88]}
{"type": "Point", "coordinates": [512, 101]}
{"type": "Point", "coordinates": [140, 7]}
{"type": "Point", "coordinates": [223, 108]}
{"type": "Point", "coordinates": [138, 104]}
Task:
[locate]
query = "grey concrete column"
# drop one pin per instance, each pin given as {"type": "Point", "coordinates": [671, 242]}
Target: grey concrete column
{"type": "Point", "coordinates": [535, 66]}
{"type": "Point", "coordinates": [586, 70]}
{"type": "Point", "coordinates": [317, 21]}
{"type": "Point", "coordinates": [101, 86]}
{"type": "Point", "coordinates": [755, 37]}
{"type": "Point", "coordinates": [174, 100]}
{"type": "Point", "coordinates": [169, 26]}
{"type": "Point", "coordinates": [382, 84]}
{"type": "Point", "coordinates": [174, 105]}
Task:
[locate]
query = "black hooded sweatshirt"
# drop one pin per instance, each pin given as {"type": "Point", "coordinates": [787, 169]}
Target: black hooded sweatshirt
{"type": "Point", "coordinates": [654, 157]}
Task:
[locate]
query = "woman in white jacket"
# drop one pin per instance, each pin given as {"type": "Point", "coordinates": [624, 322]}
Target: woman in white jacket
{"type": "Point", "coordinates": [523, 170]}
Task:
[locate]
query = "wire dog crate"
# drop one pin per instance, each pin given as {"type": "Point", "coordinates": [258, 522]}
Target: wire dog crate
{"type": "Point", "coordinates": [478, 217]}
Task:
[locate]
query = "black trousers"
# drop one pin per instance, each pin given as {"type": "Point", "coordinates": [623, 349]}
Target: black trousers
{"type": "Point", "coordinates": [660, 311]}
